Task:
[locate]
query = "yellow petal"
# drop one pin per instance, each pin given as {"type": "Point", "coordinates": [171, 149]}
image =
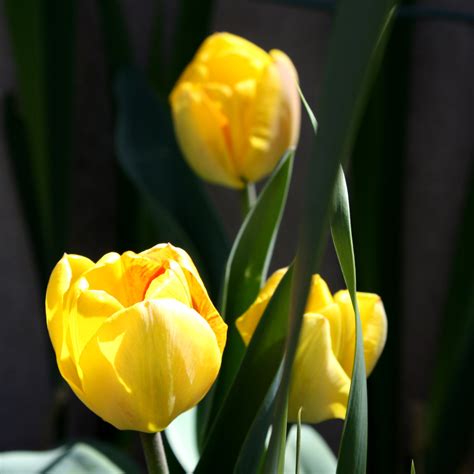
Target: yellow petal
{"type": "Point", "coordinates": [247, 323]}
{"type": "Point", "coordinates": [290, 115]}
{"type": "Point", "coordinates": [171, 284]}
{"type": "Point", "coordinates": [319, 295]}
{"type": "Point", "coordinates": [230, 58]}
{"type": "Point", "coordinates": [319, 383]}
{"type": "Point", "coordinates": [89, 311]}
{"type": "Point", "coordinates": [203, 135]}
{"type": "Point", "coordinates": [65, 274]}
{"type": "Point", "coordinates": [201, 302]}
{"type": "Point", "coordinates": [267, 141]}
{"type": "Point", "coordinates": [374, 328]}
{"type": "Point", "coordinates": [126, 277]}
{"type": "Point", "coordinates": [149, 363]}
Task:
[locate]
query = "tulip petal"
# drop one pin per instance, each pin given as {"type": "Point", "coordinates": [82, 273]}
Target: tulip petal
{"type": "Point", "coordinates": [65, 274]}
{"type": "Point", "coordinates": [231, 59]}
{"type": "Point", "coordinates": [149, 363]}
{"type": "Point", "coordinates": [91, 309]}
{"type": "Point", "coordinates": [374, 328]}
{"type": "Point", "coordinates": [171, 284]}
{"type": "Point", "coordinates": [247, 323]}
{"type": "Point", "coordinates": [126, 277]}
{"type": "Point", "coordinates": [319, 383]}
{"type": "Point", "coordinates": [200, 299]}
{"type": "Point", "coordinates": [267, 141]}
{"type": "Point", "coordinates": [291, 114]}
{"type": "Point", "coordinates": [203, 134]}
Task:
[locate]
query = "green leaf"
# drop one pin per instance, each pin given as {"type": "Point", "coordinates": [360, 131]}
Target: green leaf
{"type": "Point", "coordinates": [249, 392]}
{"type": "Point", "coordinates": [247, 266]}
{"type": "Point", "coordinates": [77, 458]}
{"type": "Point", "coordinates": [377, 174]}
{"type": "Point", "coordinates": [353, 447]}
{"type": "Point", "coordinates": [181, 436]}
{"type": "Point", "coordinates": [148, 154]}
{"type": "Point", "coordinates": [42, 36]}
{"type": "Point", "coordinates": [298, 442]}
{"type": "Point", "coordinates": [449, 435]}
{"type": "Point", "coordinates": [355, 50]}
{"type": "Point", "coordinates": [316, 456]}
{"type": "Point", "coordinates": [412, 469]}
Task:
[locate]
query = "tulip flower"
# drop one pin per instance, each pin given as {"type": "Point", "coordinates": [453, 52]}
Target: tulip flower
{"type": "Point", "coordinates": [136, 336]}
{"type": "Point", "coordinates": [322, 368]}
{"type": "Point", "coordinates": [236, 110]}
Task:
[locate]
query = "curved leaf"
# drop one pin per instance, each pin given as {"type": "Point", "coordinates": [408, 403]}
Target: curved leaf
{"type": "Point", "coordinates": [79, 458]}
{"type": "Point", "coordinates": [249, 392]}
{"type": "Point", "coordinates": [355, 49]}
{"type": "Point", "coordinates": [247, 267]}
{"type": "Point", "coordinates": [181, 436]}
{"type": "Point", "coordinates": [316, 456]}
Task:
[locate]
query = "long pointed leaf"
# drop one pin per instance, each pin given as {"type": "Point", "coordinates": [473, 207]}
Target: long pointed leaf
{"type": "Point", "coordinates": [355, 50]}
{"type": "Point", "coordinates": [247, 267]}
{"type": "Point", "coordinates": [42, 34]}
{"type": "Point", "coordinates": [257, 372]}
{"type": "Point", "coordinates": [353, 447]}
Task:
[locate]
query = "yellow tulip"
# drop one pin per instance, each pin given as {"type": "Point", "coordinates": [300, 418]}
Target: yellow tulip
{"type": "Point", "coordinates": [136, 336]}
{"type": "Point", "coordinates": [322, 368]}
{"type": "Point", "coordinates": [236, 110]}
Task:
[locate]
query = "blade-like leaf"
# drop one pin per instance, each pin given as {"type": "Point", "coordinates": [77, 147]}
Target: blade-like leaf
{"type": "Point", "coordinates": [149, 155]}
{"type": "Point", "coordinates": [247, 267]}
{"type": "Point", "coordinates": [377, 174]}
{"type": "Point", "coordinates": [181, 436]}
{"type": "Point", "coordinates": [412, 469]}
{"type": "Point", "coordinates": [79, 458]}
{"type": "Point", "coordinates": [353, 447]}
{"type": "Point", "coordinates": [355, 49]}
{"type": "Point", "coordinates": [42, 36]}
{"type": "Point", "coordinates": [251, 386]}
{"type": "Point", "coordinates": [252, 454]}
{"type": "Point", "coordinates": [316, 456]}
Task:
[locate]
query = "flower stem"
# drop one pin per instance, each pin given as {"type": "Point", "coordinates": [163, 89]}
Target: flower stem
{"type": "Point", "coordinates": [154, 453]}
{"type": "Point", "coordinates": [249, 196]}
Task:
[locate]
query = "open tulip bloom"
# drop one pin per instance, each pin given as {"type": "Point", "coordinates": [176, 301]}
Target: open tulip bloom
{"type": "Point", "coordinates": [137, 337]}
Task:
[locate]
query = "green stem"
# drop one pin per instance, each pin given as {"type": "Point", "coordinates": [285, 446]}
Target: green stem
{"type": "Point", "coordinates": [249, 197]}
{"type": "Point", "coordinates": [154, 453]}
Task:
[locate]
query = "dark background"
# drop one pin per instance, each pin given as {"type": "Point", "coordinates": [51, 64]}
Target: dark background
{"type": "Point", "coordinates": [435, 151]}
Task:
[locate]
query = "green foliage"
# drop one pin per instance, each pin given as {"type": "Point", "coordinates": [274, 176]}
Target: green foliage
{"type": "Point", "coordinates": [353, 447]}
{"type": "Point", "coordinates": [247, 266]}
{"type": "Point", "coordinates": [77, 458]}
{"type": "Point", "coordinates": [43, 42]}
{"type": "Point", "coordinates": [182, 438]}
{"type": "Point", "coordinates": [255, 377]}
{"type": "Point", "coordinates": [315, 456]}
{"type": "Point", "coordinates": [356, 60]}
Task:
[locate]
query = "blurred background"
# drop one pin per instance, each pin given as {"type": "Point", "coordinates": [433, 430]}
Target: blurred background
{"type": "Point", "coordinates": [410, 178]}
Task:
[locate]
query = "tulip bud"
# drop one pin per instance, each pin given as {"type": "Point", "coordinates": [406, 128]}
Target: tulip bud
{"type": "Point", "coordinates": [136, 336]}
{"type": "Point", "coordinates": [322, 368]}
{"type": "Point", "coordinates": [236, 110]}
